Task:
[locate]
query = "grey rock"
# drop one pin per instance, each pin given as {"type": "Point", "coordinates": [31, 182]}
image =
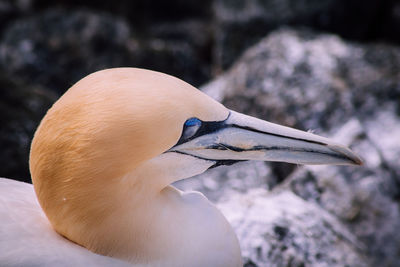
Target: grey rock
{"type": "Point", "coordinates": [241, 24]}
{"type": "Point", "coordinates": [22, 107]}
{"type": "Point", "coordinates": [58, 47]}
{"type": "Point", "coordinates": [347, 91]}
{"type": "Point", "coordinates": [284, 77]}
{"type": "Point", "coordinates": [139, 12]}
{"type": "Point", "coordinates": [187, 44]}
{"type": "Point", "coordinates": [364, 199]}
{"type": "Point", "coordinates": [281, 229]}
{"type": "Point", "coordinates": [219, 183]}
{"type": "Point", "coordinates": [11, 9]}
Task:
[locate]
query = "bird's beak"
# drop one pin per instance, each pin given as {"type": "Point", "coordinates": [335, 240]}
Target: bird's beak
{"type": "Point", "coordinates": [241, 137]}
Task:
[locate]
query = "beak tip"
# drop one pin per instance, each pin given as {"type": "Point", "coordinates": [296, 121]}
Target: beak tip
{"type": "Point", "coordinates": [359, 161]}
{"type": "Point", "coordinates": [352, 157]}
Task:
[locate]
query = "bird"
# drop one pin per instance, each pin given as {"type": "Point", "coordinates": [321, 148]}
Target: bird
{"type": "Point", "coordinates": [102, 162]}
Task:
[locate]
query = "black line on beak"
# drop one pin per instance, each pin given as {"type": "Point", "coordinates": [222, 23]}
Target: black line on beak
{"type": "Point", "coordinates": [208, 127]}
{"type": "Point", "coordinates": [285, 148]}
{"type": "Point", "coordinates": [224, 163]}
{"type": "Point", "coordinates": [217, 162]}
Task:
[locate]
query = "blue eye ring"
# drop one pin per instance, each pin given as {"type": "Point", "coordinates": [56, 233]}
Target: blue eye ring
{"type": "Point", "coordinates": [190, 128]}
{"type": "Point", "coordinates": [192, 122]}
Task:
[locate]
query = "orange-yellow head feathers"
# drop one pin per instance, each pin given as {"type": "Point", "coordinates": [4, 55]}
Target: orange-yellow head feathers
{"type": "Point", "coordinates": [101, 129]}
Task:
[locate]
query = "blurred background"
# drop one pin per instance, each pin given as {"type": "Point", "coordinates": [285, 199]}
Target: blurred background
{"type": "Point", "coordinates": [332, 66]}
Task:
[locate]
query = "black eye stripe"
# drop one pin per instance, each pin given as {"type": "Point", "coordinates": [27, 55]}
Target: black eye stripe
{"type": "Point", "coordinates": [206, 127]}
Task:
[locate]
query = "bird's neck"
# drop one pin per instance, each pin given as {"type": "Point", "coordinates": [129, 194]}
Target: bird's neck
{"type": "Point", "coordinates": [172, 228]}
{"type": "Point", "coordinates": [119, 219]}
{"type": "Point", "coordinates": [140, 218]}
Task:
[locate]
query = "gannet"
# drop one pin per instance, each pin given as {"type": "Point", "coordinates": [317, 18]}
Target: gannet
{"type": "Point", "coordinates": [102, 162]}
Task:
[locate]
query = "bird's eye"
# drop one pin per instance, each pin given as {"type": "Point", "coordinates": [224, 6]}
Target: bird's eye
{"type": "Point", "coordinates": [190, 127]}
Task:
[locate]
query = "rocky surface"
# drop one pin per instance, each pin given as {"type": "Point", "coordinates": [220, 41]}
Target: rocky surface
{"type": "Point", "coordinates": [58, 47]}
{"type": "Point", "coordinates": [284, 215]}
{"type": "Point", "coordinates": [55, 48]}
{"type": "Point", "coordinates": [243, 23]}
{"type": "Point", "coordinates": [346, 91]}
{"type": "Point", "coordinates": [281, 229]}
{"type": "Point", "coordinates": [22, 106]}
{"type": "Point", "coordinates": [52, 44]}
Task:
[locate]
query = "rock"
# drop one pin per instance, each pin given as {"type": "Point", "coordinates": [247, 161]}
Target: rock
{"type": "Point", "coordinates": [186, 44]}
{"type": "Point", "coordinates": [59, 47]}
{"type": "Point", "coordinates": [391, 22]}
{"type": "Point", "coordinates": [140, 12]}
{"type": "Point", "coordinates": [11, 9]}
{"type": "Point", "coordinates": [219, 183]}
{"type": "Point", "coordinates": [299, 79]}
{"type": "Point", "coordinates": [347, 91]}
{"type": "Point", "coordinates": [281, 229]}
{"type": "Point", "coordinates": [364, 199]}
{"type": "Point", "coordinates": [21, 109]}
{"type": "Point", "coordinates": [241, 24]}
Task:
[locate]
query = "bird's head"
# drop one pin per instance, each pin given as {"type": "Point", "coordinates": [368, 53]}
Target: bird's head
{"type": "Point", "coordinates": [144, 130]}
